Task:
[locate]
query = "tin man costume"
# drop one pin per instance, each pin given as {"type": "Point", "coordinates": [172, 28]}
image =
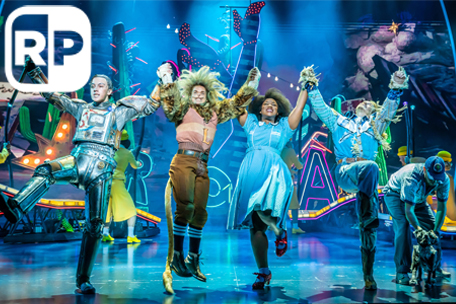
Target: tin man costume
{"type": "Point", "coordinates": [89, 167]}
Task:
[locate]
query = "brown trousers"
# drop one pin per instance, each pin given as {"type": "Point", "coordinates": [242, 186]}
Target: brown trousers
{"type": "Point", "coordinates": [190, 180]}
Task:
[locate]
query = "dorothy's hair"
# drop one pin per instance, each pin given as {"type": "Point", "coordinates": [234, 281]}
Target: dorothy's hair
{"type": "Point", "coordinates": [284, 105]}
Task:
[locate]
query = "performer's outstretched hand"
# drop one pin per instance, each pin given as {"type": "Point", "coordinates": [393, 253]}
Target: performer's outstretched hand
{"type": "Point", "coordinates": [165, 73]}
{"type": "Point", "coordinates": [308, 76]}
{"type": "Point", "coordinates": [399, 80]}
{"type": "Point", "coordinates": [254, 78]}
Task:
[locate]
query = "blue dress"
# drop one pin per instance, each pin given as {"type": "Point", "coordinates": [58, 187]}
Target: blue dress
{"type": "Point", "coordinates": [264, 181]}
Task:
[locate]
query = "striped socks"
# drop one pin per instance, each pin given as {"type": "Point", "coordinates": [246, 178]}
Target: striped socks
{"type": "Point", "coordinates": [179, 231]}
{"type": "Point", "coordinates": [195, 235]}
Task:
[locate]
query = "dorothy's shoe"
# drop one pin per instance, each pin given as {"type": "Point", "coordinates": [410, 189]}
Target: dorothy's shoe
{"type": "Point", "coordinates": [261, 280]}
{"type": "Point", "coordinates": [281, 245]}
{"type": "Point", "coordinates": [178, 265]}
{"type": "Point", "coordinates": [107, 238]}
{"type": "Point", "coordinates": [133, 239]}
{"type": "Point", "coordinates": [192, 264]}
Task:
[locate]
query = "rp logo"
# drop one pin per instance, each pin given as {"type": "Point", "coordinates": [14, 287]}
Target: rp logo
{"type": "Point", "coordinates": [76, 68]}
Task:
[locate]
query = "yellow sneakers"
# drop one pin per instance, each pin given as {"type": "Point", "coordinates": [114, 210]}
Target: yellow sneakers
{"type": "Point", "coordinates": [107, 238]}
{"type": "Point", "coordinates": [133, 239]}
{"type": "Point", "coordinates": [297, 231]}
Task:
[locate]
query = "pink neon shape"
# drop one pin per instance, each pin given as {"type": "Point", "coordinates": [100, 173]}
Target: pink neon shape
{"type": "Point", "coordinates": [317, 198]}
{"type": "Point", "coordinates": [326, 163]}
{"type": "Point", "coordinates": [330, 209]}
{"type": "Point", "coordinates": [321, 178]}
{"type": "Point", "coordinates": [175, 65]}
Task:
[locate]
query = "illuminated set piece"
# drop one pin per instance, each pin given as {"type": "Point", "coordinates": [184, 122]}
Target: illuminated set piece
{"type": "Point", "coordinates": [60, 145]}
{"type": "Point", "coordinates": [325, 191]}
{"type": "Point", "coordinates": [131, 47]}
{"type": "Point", "coordinates": [73, 204]}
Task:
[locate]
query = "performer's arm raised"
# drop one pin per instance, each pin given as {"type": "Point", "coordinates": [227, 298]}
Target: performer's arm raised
{"type": "Point", "coordinates": [296, 115]}
{"type": "Point", "coordinates": [169, 94]}
{"type": "Point", "coordinates": [399, 82]}
{"type": "Point", "coordinates": [134, 107]}
{"type": "Point", "coordinates": [326, 114]}
{"type": "Point", "coordinates": [235, 107]}
{"type": "Point", "coordinates": [61, 101]}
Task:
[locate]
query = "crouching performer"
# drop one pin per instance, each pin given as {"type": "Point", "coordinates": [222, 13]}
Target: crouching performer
{"type": "Point", "coordinates": [196, 114]}
{"type": "Point", "coordinates": [356, 142]}
{"type": "Point", "coordinates": [405, 196]}
{"type": "Point", "coordinates": [90, 165]}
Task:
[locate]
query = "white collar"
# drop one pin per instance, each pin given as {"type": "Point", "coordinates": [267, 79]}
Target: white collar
{"type": "Point", "coordinates": [261, 123]}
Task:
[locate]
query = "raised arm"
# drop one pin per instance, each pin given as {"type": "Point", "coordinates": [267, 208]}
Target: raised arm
{"type": "Point", "coordinates": [169, 94]}
{"type": "Point", "coordinates": [399, 82]}
{"type": "Point", "coordinates": [134, 107]}
{"type": "Point", "coordinates": [295, 116]}
{"type": "Point", "coordinates": [235, 107]}
{"type": "Point", "coordinates": [327, 115]}
{"type": "Point", "coordinates": [61, 101]}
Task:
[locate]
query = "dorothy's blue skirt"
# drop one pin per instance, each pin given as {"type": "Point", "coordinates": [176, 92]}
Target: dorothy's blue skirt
{"type": "Point", "coordinates": [264, 183]}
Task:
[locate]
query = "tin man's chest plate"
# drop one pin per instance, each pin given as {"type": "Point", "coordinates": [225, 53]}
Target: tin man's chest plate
{"type": "Point", "coordinates": [97, 125]}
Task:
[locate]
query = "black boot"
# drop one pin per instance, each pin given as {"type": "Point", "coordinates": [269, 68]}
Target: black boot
{"type": "Point", "coordinates": [87, 256]}
{"type": "Point", "coordinates": [192, 263]}
{"type": "Point", "coordinates": [15, 208]}
{"type": "Point", "coordinates": [368, 258]}
{"type": "Point", "coordinates": [178, 265]}
{"type": "Point", "coordinates": [10, 210]}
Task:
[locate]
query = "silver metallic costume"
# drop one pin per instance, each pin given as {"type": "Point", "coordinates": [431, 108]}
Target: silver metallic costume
{"type": "Point", "coordinates": [89, 167]}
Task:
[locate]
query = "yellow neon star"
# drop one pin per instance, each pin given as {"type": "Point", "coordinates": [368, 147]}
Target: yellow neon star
{"type": "Point", "coordinates": [394, 27]}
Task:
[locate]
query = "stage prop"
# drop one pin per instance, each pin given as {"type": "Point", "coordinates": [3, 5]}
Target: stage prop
{"type": "Point", "coordinates": [44, 228]}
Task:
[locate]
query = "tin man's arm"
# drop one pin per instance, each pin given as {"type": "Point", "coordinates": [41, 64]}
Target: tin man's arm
{"type": "Point", "coordinates": [61, 101]}
{"type": "Point", "coordinates": [134, 107]}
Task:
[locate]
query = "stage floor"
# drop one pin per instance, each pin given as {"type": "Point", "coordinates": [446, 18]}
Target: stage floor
{"type": "Point", "coordinates": [318, 268]}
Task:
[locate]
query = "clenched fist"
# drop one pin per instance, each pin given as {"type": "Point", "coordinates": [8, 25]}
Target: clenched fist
{"type": "Point", "coordinates": [165, 73]}
{"type": "Point", "coordinates": [254, 78]}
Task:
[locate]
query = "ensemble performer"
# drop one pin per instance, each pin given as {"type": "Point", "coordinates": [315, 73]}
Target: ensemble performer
{"type": "Point", "coordinates": [356, 143]}
{"type": "Point", "coordinates": [196, 105]}
{"type": "Point", "coordinates": [5, 152]}
{"type": "Point", "coordinates": [405, 196]}
{"type": "Point", "coordinates": [121, 206]}
{"type": "Point", "coordinates": [264, 187]}
{"type": "Point", "coordinates": [91, 163]}
{"type": "Point", "coordinates": [451, 203]}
